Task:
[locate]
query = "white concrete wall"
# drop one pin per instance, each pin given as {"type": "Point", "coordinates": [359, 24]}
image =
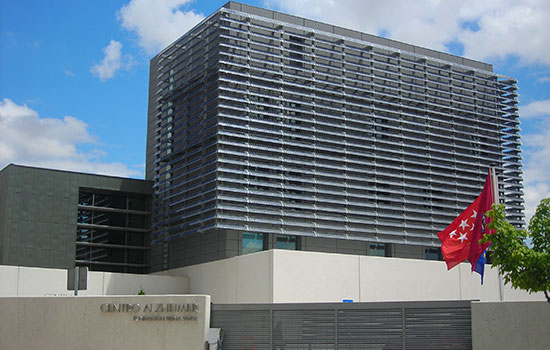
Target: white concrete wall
{"type": "Point", "coordinates": [30, 281]}
{"type": "Point", "coordinates": [510, 325]}
{"type": "Point", "coordinates": [320, 277]}
{"type": "Point", "coordinates": [67, 323]}
{"type": "Point", "coordinates": [246, 279]}
{"type": "Point", "coordinates": [283, 276]}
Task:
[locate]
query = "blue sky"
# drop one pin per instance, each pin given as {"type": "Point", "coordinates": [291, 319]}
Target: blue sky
{"type": "Point", "coordinates": [74, 74]}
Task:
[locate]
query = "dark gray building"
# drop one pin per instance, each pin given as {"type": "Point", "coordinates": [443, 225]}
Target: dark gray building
{"type": "Point", "coordinates": [52, 218]}
{"type": "Point", "coordinates": [269, 130]}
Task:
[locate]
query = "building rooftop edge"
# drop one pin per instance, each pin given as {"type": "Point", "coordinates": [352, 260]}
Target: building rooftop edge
{"type": "Point", "coordinates": [390, 43]}
{"type": "Point", "coordinates": [70, 171]}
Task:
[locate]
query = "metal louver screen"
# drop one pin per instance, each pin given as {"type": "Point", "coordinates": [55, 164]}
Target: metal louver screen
{"type": "Point", "coordinates": [293, 329]}
{"type": "Point", "coordinates": [377, 328]}
{"type": "Point", "coordinates": [348, 326]}
{"type": "Point", "coordinates": [243, 330]}
{"type": "Point", "coordinates": [439, 328]}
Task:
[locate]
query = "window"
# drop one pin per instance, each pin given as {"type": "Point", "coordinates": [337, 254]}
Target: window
{"type": "Point", "coordinates": [286, 242]}
{"type": "Point", "coordinates": [432, 254]}
{"type": "Point", "coordinates": [108, 237]}
{"type": "Point", "coordinates": [252, 242]}
{"type": "Point", "coordinates": [138, 203]}
{"type": "Point", "coordinates": [85, 198]}
{"type": "Point", "coordinates": [378, 249]}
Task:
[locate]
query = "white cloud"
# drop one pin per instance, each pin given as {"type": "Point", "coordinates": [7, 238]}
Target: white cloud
{"type": "Point", "coordinates": [27, 139]}
{"type": "Point", "coordinates": [112, 61]}
{"type": "Point", "coordinates": [157, 23]}
{"type": "Point", "coordinates": [513, 28]}
{"type": "Point", "coordinates": [535, 109]}
{"type": "Point", "coordinates": [536, 152]}
{"type": "Point", "coordinates": [543, 80]}
{"type": "Point", "coordinates": [423, 23]}
{"type": "Point", "coordinates": [533, 194]}
{"type": "Point", "coordinates": [536, 172]}
{"type": "Point", "coordinates": [501, 27]}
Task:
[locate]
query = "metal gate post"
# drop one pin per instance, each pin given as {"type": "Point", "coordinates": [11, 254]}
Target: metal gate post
{"type": "Point", "coordinates": [336, 328]}
{"type": "Point", "coordinates": [271, 327]}
{"type": "Point", "coordinates": [404, 325]}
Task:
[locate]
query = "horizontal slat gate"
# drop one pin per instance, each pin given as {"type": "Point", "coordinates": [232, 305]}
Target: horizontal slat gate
{"type": "Point", "coordinates": [347, 326]}
{"type": "Point", "coordinates": [370, 329]}
{"type": "Point", "coordinates": [438, 328]}
{"type": "Point", "coordinates": [243, 329]}
{"type": "Point", "coordinates": [296, 329]}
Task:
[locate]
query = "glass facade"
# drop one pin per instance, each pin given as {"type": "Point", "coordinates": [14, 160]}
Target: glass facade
{"type": "Point", "coordinates": [433, 254]}
{"type": "Point", "coordinates": [266, 126]}
{"type": "Point", "coordinates": [252, 243]}
{"type": "Point", "coordinates": [378, 249]}
{"type": "Point", "coordinates": [112, 232]}
{"type": "Point", "coordinates": [286, 242]}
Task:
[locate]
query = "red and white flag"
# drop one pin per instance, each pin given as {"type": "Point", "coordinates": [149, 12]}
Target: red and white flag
{"type": "Point", "coordinates": [460, 240]}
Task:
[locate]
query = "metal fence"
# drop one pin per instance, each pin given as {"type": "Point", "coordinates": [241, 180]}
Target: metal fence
{"type": "Point", "coordinates": [345, 326]}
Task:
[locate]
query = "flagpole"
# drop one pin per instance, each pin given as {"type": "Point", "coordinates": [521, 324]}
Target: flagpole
{"type": "Point", "coordinates": [494, 182]}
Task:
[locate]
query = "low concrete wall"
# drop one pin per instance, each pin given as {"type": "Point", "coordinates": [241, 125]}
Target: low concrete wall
{"type": "Point", "coordinates": [511, 325]}
{"type": "Point", "coordinates": [67, 323]}
{"type": "Point", "coordinates": [31, 281]}
{"type": "Point", "coordinates": [245, 279]}
{"type": "Point", "coordinates": [284, 276]}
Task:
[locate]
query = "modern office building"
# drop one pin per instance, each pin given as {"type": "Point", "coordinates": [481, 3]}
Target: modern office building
{"type": "Point", "coordinates": [267, 130]}
{"type": "Point", "coordinates": [59, 219]}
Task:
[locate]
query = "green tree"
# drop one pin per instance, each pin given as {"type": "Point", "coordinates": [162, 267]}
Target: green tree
{"type": "Point", "coordinates": [527, 268]}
